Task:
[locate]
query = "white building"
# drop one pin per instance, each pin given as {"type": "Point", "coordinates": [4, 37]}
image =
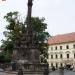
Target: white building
{"type": "Point", "coordinates": [62, 50]}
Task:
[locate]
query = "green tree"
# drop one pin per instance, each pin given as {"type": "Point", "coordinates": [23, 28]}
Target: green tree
{"type": "Point", "coordinates": [14, 29]}
{"type": "Point", "coordinates": [39, 27]}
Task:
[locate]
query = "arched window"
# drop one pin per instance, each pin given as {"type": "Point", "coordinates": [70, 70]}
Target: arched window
{"type": "Point", "coordinates": [67, 55]}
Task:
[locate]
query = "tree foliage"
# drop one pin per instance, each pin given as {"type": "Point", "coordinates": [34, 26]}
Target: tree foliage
{"type": "Point", "coordinates": [40, 27]}
{"type": "Point", "coordinates": [14, 29]}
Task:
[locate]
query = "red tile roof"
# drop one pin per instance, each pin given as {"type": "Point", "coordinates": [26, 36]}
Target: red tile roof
{"type": "Point", "coordinates": [64, 38]}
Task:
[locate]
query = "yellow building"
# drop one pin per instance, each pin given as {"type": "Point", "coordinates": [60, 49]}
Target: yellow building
{"type": "Point", "coordinates": [62, 50]}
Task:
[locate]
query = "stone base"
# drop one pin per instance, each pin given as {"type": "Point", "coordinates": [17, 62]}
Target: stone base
{"type": "Point", "coordinates": [28, 69]}
{"type": "Point", "coordinates": [25, 73]}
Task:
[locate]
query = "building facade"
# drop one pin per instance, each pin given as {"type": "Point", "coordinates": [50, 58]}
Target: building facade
{"type": "Point", "coordinates": [62, 50]}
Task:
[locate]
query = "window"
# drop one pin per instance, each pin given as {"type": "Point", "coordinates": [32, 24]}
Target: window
{"type": "Point", "coordinates": [60, 47]}
{"type": "Point", "coordinates": [56, 65]}
{"type": "Point", "coordinates": [51, 48]}
{"type": "Point", "coordinates": [61, 64]}
{"type": "Point", "coordinates": [67, 55]}
{"type": "Point", "coordinates": [56, 56]}
{"type": "Point", "coordinates": [67, 47]}
{"type": "Point", "coordinates": [56, 48]}
{"type": "Point", "coordinates": [51, 56]}
{"type": "Point", "coordinates": [74, 55]}
{"type": "Point", "coordinates": [51, 64]}
{"type": "Point", "coordinates": [73, 46]}
{"type": "Point", "coordinates": [60, 55]}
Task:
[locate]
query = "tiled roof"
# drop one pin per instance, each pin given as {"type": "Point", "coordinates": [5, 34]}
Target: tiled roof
{"type": "Point", "coordinates": [64, 38]}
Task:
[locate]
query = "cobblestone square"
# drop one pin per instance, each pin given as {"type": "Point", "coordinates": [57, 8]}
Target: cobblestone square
{"type": "Point", "coordinates": [66, 72]}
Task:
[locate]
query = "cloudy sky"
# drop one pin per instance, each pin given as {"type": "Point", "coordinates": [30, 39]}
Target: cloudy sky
{"type": "Point", "coordinates": [59, 14]}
